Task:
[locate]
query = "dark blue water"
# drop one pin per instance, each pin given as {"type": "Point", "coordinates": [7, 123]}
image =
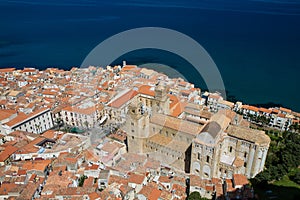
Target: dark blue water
{"type": "Point", "coordinates": [255, 43]}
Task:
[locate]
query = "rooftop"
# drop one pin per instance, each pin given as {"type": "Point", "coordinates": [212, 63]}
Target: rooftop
{"type": "Point", "coordinates": [176, 124]}
{"type": "Point", "coordinates": [252, 135]}
{"type": "Point", "coordinates": [120, 101]}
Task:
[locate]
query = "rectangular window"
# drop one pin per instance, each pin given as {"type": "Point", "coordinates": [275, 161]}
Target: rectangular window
{"type": "Point", "coordinates": [207, 159]}
{"type": "Point", "coordinates": [230, 149]}
{"type": "Point", "coordinates": [199, 156]}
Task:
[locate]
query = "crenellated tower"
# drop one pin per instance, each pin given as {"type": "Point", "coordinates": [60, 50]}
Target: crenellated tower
{"type": "Point", "coordinates": [137, 127]}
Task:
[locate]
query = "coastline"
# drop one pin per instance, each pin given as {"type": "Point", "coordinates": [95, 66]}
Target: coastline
{"type": "Point", "coordinates": [173, 73]}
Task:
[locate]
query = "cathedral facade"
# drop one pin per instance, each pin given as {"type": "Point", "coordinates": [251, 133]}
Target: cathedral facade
{"type": "Point", "coordinates": [217, 149]}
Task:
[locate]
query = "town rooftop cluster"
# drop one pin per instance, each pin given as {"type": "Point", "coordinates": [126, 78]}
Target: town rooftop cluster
{"type": "Point", "coordinates": [41, 159]}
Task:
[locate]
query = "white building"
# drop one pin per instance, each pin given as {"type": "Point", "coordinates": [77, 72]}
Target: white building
{"type": "Point", "coordinates": [86, 114]}
{"type": "Point", "coordinates": [35, 122]}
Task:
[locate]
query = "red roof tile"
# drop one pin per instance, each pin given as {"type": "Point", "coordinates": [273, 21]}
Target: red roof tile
{"type": "Point", "coordinates": [123, 99]}
{"type": "Point", "coordinates": [8, 151]}
{"type": "Point", "coordinates": [147, 90]}
{"type": "Point", "coordinates": [136, 178]}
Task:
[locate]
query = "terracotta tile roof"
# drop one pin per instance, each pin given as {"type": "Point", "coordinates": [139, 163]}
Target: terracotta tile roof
{"type": "Point", "coordinates": [281, 115]}
{"type": "Point", "coordinates": [22, 117]}
{"type": "Point", "coordinates": [8, 151]}
{"type": "Point", "coordinates": [62, 179]}
{"type": "Point", "coordinates": [160, 139]}
{"type": "Point", "coordinates": [88, 182]}
{"type": "Point", "coordinates": [178, 109]}
{"type": "Point", "coordinates": [274, 110]}
{"type": "Point", "coordinates": [164, 179]}
{"type": "Point", "coordinates": [49, 92]}
{"type": "Point", "coordinates": [147, 90]}
{"type": "Point", "coordinates": [183, 83]}
{"type": "Point", "coordinates": [94, 195]}
{"type": "Point", "coordinates": [168, 195]}
{"type": "Point", "coordinates": [7, 188]}
{"type": "Point", "coordinates": [179, 190]}
{"type": "Point", "coordinates": [178, 145]}
{"type": "Point", "coordinates": [38, 165]}
{"type": "Point", "coordinates": [29, 70]}
{"type": "Point", "coordinates": [3, 102]}
{"type": "Point", "coordinates": [111, 147]}
{"type": "Point", "coordinates": [117, 103]}
{"type": "Point", "coordinates": [216, 180]}
{"type": "Point", "coordinates": [196, 181]}
{"type": "Point", "coordinates": [264, 110]}
{"type": "Point", "coordinates": [90, 156]}
{"type": "Point", "coordinates": [30, 147]}
{"type": "Point", "coordinates": [150, 192]}
{"type": "Point", "coordinates": [152, 164]}
{"type": "Point", "coordinates": [136, 178]}
{"type": "Point", "coordinates": [248, 134]}
{"type": "Point", "coordinates": [51, 134]}
{"type": "Point", "coordinates": [5, 70]}
{"type": "Point", "coordinates": [125, 189]}
{"type": "Point", "coordinates": [252, 108]}
{"type": "Point", "coordinates": [22, 172]}
{"type": "Point", "coordinates": [155, 194]}
{"type": "Point", "coordinates": [285, 110]}
{"type": "Point", "coordinates": [173, 100]}
{"type": "Point", "coordinates": [240, 179]}
{"type": "Point", "coordinates": [185, 92]}
{"type": "Point", "coordinates": [176, 124]}
{"type": "Point", "coordinates": [128, 67]}
{"type": "Point", "coordinates": [4, 114]}
{"type": "Point", "coordinates": [85, 111]}
{"type": "Point", "coordinates": [92, 167]}
{"type": "Point", "coordinates": [117, 179]}
{"type": "Point", "coordinates": [217, 97]}
{"type": "Point", "coordinates": [230, 187]}
{"type": "Point", "coordinates": [209, 188]}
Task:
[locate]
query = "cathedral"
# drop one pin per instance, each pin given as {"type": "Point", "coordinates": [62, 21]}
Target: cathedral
{"type": "Point", "coordinates": [216, 148]}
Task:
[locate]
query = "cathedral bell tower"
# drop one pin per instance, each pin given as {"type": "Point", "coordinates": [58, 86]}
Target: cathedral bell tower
{"type": "Point", "coordinates": [136, 127]}
{"type": "Point", "coordinates": [162, 101]}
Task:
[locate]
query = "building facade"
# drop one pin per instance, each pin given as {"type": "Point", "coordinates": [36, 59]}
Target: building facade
{"type": "Point", "coordinates": [35, 122]}
{"type": "Point", "coordinates": [219, 148]}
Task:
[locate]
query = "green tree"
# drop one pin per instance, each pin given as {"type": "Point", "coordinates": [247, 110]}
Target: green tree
{"type": "Point", "coordinates": [296, 177]}
{"type": "Point", "coordinates": [283, 158]}
{"type": "Point", "coordinates": [81, 180]}
{"type": "Point", "coordinates": [195, 196]}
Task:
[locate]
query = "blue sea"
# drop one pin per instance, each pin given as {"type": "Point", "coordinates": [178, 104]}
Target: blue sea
{"type": "Point", "coordinates": [254, 43]}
